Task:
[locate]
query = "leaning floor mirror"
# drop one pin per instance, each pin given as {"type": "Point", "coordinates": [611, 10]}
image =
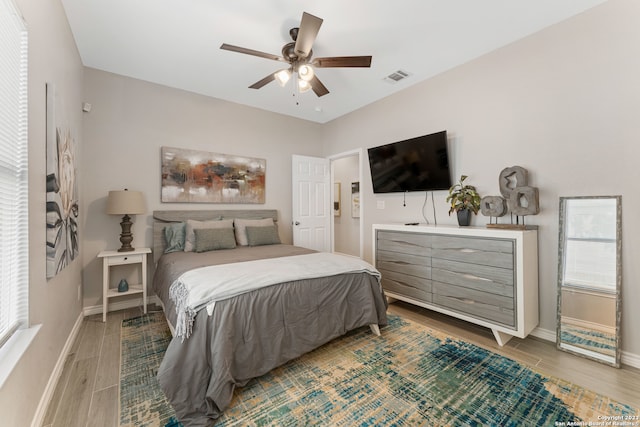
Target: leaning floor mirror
{"type": "Point", "coordinates": [590, 277]}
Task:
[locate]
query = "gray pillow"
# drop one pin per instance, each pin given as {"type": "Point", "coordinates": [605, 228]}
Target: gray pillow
{"type": "Point", "coordinates": [259, 236]}
{"type": "Point", "coordinates": [190, 237]}
{"type": "Point", "coordinates": [212, 239]}
{"type": "Point", "coordinates": [174, 236]}
{"type": "Point", "coordinates": [240, 225]}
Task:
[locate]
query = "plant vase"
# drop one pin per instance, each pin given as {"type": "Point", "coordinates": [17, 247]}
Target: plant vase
{"type": "Point", "coordinates": [464, 217]}
{"type": "Point", "coordinates": [463, 199]}
{"type": "Point", "coordinates": [123, 286]}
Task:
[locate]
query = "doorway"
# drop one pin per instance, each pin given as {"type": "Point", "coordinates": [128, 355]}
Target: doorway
{"type": "Point", "coordinates": [346, 174]}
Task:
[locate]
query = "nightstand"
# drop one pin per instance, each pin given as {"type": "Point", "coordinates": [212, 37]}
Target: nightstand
{"type": "Point", "coordinates": [113, 258]}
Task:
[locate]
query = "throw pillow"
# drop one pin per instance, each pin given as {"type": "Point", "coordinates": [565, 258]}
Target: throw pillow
{"type": "Point", "coordinates": [240, 226]}
{"type": "Point", "coordinates": [174, 235]}
{"type": "Point", "coordinates": [213, 239]}
{"type": "Point", "coordinates": [259, 236]}
{"type": "Point", "coordinates": [190, 237]}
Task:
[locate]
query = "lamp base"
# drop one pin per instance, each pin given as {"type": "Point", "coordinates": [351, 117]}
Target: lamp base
{"type": "Point", "coordinates": [126, 237]}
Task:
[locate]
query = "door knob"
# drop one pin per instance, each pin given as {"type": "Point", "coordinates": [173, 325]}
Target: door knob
{"type": "Point", "coordinates": [296, 223]}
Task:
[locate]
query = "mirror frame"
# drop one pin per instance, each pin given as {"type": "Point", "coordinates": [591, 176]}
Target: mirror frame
{"type": "Point", "coordinates": [618, 291]}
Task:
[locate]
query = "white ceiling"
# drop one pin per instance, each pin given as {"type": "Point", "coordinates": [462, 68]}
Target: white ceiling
{"type": "Point", "coordinates": [176, 43]}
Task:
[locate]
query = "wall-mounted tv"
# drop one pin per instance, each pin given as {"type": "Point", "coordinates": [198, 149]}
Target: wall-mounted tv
{"type": "Point", "coordinates": [416, 164]}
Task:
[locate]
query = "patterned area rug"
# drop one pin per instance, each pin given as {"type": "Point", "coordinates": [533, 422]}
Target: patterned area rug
{"type": "Point", "coordinates": [410, 376]}
{"type": "Point", "coordinates": [143, 341]}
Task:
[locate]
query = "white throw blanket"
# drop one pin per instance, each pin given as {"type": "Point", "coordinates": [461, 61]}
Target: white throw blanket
{"type": "Point", "coordinates": [202, 287]}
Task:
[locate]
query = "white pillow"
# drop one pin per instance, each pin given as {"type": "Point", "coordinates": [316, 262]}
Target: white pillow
{"type": "Point", "coordinates": [240, 226]}
{"type": "Point", "coordinates": [190, 235]}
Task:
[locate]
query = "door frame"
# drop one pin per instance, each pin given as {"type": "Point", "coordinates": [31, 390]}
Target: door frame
{"type": "Point", "coordinates": [355, 152]}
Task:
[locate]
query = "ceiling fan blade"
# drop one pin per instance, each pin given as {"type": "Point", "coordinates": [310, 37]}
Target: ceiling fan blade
{"type": "Point", "coordinates": [244, 50]}
{"type": "Point", "coordinates": [260, 83]}
{"type": "Point", "coordinates": [318, 87]}
{"type": "Point", "coordinates": [342, 61]}
{"type": "Point", "coordinates": [309, 27]}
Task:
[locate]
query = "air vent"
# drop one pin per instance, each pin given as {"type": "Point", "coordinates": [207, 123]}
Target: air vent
{"type": "Point", "coordinates": [396, 76]}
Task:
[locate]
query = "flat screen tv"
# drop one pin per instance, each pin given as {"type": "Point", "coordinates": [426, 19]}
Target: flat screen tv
{"type": "Point", "coordinates": [416, 164]}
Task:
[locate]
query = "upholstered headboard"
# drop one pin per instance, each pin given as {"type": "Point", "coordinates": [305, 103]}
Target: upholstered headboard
{"type": "Point", "coordinates": [162, 218]}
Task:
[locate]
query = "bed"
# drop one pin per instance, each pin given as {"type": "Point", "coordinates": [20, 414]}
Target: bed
{"type": "Point", "coordinates": [233, 318]}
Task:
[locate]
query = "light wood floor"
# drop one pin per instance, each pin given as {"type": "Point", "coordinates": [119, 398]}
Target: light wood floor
{"type": "Point", "coordinates": [87, 392]}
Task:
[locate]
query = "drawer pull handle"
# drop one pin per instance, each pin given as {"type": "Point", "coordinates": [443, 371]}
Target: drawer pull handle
{"type": "Point", "coordinates": [126, 258]}
{"type": "Point", "coordinates": [465, 300]}
{"type": "Point", "coordinates": [402, 283]}
{"type": "Point", "coordinates": [468, 251]}
{"type": "Point", "coordinates": [408, 285]}
{"type": "Point", "coordinates": [471, 276]}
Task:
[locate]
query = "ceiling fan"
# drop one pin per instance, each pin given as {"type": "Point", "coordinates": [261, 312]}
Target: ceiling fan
{"type": "Point", "coordinates": [298, 55]}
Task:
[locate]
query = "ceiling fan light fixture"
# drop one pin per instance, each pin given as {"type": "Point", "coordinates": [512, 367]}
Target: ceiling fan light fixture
{"type": "Point", "coordinates": [303, 86]}
{"type": "Point", "coordinates": [306, 72]}
{"type": "Point", "coordinates": [297, 55]}
{"type": "Point", "coordinates": [282, 77]}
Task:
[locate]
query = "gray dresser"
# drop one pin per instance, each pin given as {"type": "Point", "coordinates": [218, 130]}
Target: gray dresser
{"type": "Point", "coordinates": [484, 276]}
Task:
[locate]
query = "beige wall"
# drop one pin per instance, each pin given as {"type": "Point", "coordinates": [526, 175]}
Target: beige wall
{"type": "Point", "coordinates": [54, 304]}
{"type": "Point", "coordinates": [130, 120]}
{"type": "Point", "coordinates": [562, 103]}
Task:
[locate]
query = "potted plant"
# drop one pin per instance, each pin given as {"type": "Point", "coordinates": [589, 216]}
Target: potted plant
{"type": "Point", "coordinates": [463, 199]}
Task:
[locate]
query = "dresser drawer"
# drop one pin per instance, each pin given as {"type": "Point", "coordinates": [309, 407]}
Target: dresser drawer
{"type": "Point", "coordinates": [414, 265]}
{"type": "Point", "coordinates": [483, 278]}
{"type": "Point", "coordinates": [407, 285]}
{"type": "Point", "coordinates": [124, 259]}
{"type": "Point", "coordinates": [482, 275]}
{"type": "Point", "coordinates": [481, 251]}
{"type": "Point", "coordinates": [491, 307]}
{"type": "Point", "coordinates": [393, 241]}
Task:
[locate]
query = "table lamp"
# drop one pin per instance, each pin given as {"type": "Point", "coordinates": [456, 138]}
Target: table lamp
{"type": "Point", "coordinates": [125, 202]}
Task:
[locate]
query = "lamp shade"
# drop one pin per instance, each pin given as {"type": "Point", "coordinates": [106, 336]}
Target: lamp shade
{"type": "Point", "coordinates": [306, 72]}
{"type": "Point", "coordinates": [303, 86]}
{"type": "Point", "coordinates": [282, 77]}
{"type": "Point", "coordinates": [125, 202]}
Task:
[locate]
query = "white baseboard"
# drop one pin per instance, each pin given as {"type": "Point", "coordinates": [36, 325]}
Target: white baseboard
{"type": "Point", "coordinates": [629, 359]}
{"type": "Point", "coordinates": [121, 305]}
{"type": "Point", "coordinates": [55, 375]}
{"type": "Point", "coordinates": [544, 334]}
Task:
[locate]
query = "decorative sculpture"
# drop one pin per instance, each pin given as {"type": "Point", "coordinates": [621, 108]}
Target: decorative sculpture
{"type": "Point", "coordinates": [518, 198]}
{"type": "Point", "coordinates": [493, 206]}
{"type": "Point", "coordinates": [511, 178]}
{"type": "Point", "coordinates": [524, 201]}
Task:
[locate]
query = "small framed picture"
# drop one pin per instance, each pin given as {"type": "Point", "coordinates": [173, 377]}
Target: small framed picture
{"type": "Point", "coordinates": [336, 199]}
{"type": "Point", "coordinates": [355, 200]}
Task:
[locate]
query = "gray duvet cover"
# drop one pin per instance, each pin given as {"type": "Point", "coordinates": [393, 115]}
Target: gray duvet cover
{"type": "Point", "coordinates": [250, 334]}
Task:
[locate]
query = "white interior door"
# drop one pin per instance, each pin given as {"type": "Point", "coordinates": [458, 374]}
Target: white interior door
{"type": "Point", "coordinates": [311, 192]}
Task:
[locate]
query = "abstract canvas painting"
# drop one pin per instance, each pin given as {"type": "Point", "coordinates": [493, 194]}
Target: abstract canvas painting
{"type": "Point", "coordinates": [192, 176]}
{"type": "Point", "coordinates": [62, 187]}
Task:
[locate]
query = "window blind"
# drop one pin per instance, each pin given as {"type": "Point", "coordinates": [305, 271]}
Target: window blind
{"type": "Point", "coordinates": [14, 284]}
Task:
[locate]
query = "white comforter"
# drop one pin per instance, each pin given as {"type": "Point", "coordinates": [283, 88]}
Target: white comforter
{"type": "Point", "coordinates": [202, 287]}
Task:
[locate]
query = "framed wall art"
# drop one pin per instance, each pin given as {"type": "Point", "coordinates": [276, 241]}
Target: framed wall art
{"type": "Point", "coordinates": [355, 200]}
{"type": "Point", "coordinates": [193, 176]}
{"type": "Point", "coordinates": [62, 187]}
